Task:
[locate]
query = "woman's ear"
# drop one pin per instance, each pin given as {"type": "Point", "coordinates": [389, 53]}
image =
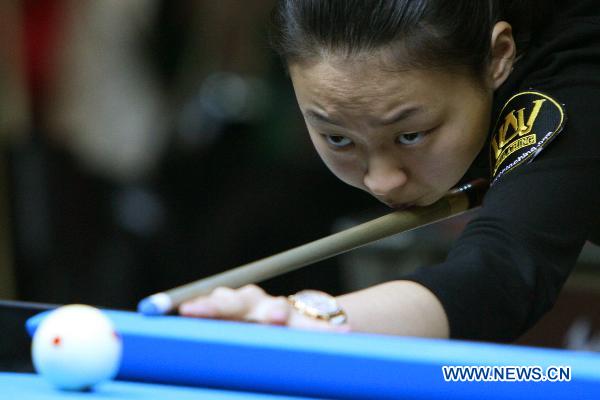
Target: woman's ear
{"type": "Point", "coordinates": [503, 54]}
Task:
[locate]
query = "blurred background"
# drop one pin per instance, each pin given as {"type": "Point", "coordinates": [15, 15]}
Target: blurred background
{"type": "Point", "coordinates": [149, 143]}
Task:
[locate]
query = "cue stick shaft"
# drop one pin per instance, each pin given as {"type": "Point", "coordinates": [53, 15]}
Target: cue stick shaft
{"type": "Point", "coordinates": [453, 203]}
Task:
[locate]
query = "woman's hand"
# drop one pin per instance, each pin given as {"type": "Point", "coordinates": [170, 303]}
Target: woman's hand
{"type": "Point", "coordinates": [252, 304]}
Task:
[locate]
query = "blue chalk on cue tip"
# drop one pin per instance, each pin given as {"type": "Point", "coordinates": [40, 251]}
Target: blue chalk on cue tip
{"type": "Point", "coordinates": [157, 304]}
{"type": "Point", "coordinates": [147, 307]}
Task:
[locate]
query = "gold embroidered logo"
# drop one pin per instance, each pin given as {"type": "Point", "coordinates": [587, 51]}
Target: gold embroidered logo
{"type": "Point", "coordinates": [527, 122]}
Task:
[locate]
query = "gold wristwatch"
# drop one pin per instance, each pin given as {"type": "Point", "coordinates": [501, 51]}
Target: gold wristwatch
{"type": "Point", "coordinates": [319, 305]}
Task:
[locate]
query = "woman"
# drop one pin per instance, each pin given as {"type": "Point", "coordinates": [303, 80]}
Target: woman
{"type": "Point", "coordinates": [404, 99]}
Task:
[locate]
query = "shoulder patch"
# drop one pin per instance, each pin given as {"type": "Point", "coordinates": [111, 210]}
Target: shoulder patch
{"type": "Point", "coordinates": [527, 123]}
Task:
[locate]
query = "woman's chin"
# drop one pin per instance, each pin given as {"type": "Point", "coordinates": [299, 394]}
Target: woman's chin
{"type": "Point", "coordinates": [428, 199]}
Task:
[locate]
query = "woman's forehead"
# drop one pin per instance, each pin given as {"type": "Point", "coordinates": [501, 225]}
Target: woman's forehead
{"type": "Point", "coordinates": [356, 82]}
{"type": "Point", "coordinates": [366, 85]}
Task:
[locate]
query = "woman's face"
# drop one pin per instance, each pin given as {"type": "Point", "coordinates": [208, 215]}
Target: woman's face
{"type": "Point", "coordinates": [406, 137]}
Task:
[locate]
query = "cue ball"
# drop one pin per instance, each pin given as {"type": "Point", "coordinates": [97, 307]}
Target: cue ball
{"type": "Point", "coordinates": [75, 347]}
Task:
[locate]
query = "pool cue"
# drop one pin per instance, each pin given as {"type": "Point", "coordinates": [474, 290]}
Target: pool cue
{"type": "Point", "coordinates": [455, 202]}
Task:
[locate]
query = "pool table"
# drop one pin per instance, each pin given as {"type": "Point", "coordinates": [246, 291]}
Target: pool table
{"type": "Point", "coordinates": [27, 386]}
{"type": "Point", "coordinates": [183, 358]}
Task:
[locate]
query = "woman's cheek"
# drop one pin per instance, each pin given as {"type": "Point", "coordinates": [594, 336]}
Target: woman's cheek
{"type": "Point", "coordinates": [345, 168]}
{"type": "Point", "coordinates": [347, 171]}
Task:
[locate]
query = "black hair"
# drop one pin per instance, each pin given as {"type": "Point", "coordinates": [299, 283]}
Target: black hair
{"type": "Point", "coordinates": [430, 32]}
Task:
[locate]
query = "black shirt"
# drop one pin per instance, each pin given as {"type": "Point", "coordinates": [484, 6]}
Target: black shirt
{"type": "Point", "coordinates": [508, 266]}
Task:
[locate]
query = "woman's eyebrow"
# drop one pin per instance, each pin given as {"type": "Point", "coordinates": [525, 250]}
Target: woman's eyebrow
{"type": "Point", "coordinates": [315, 116]}
{"type": "Point", "coordinates": [401, 115]}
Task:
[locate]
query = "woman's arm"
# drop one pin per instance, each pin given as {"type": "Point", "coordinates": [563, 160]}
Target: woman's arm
{"type": "Point", "coordinates": [397, 308]}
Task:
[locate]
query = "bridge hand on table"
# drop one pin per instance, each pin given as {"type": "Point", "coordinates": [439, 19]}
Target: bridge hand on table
{"type": "Point", "coordinates": [252, 304]}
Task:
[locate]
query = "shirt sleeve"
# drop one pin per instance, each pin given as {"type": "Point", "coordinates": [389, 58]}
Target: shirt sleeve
{"type": "Point", "coordinates": [508, 266]}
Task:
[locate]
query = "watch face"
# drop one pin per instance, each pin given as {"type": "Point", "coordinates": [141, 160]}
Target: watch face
{"type": "Point", "coordinates": [320, 302]}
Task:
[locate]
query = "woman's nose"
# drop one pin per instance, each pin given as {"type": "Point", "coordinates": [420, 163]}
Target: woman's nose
{"type": "Point", "coordinates": [384, 178]}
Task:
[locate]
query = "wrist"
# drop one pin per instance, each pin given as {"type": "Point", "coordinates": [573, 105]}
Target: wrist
{"type": "Point", "coordinates": [318, 305]}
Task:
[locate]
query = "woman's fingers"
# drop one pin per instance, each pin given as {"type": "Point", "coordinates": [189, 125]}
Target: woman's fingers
{"type": "Point", "coordinates": [278, 311]}
{"type": "Point", "coordinates": [224, 303]}
{"type": "Point", "coordinates": [270, 310]}
{"type": "Point", "coordinates": [251, 303]}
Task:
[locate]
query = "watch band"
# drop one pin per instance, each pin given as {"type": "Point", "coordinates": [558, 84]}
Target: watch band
{"type": "Point", "coordinates": [318, 305]}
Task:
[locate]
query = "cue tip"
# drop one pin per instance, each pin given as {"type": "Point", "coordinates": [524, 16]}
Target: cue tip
{"type": "Point", "coordinates": [157, 304]}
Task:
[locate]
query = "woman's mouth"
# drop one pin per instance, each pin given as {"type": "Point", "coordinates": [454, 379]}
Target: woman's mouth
{"type": "Point", "coordinates": [398, 206]}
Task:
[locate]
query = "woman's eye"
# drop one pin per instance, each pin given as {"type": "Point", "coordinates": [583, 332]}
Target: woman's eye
{"type": "Point", "coordinates": [338, 140]}
{"type": "Point", "coordinates": [411, 138]}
